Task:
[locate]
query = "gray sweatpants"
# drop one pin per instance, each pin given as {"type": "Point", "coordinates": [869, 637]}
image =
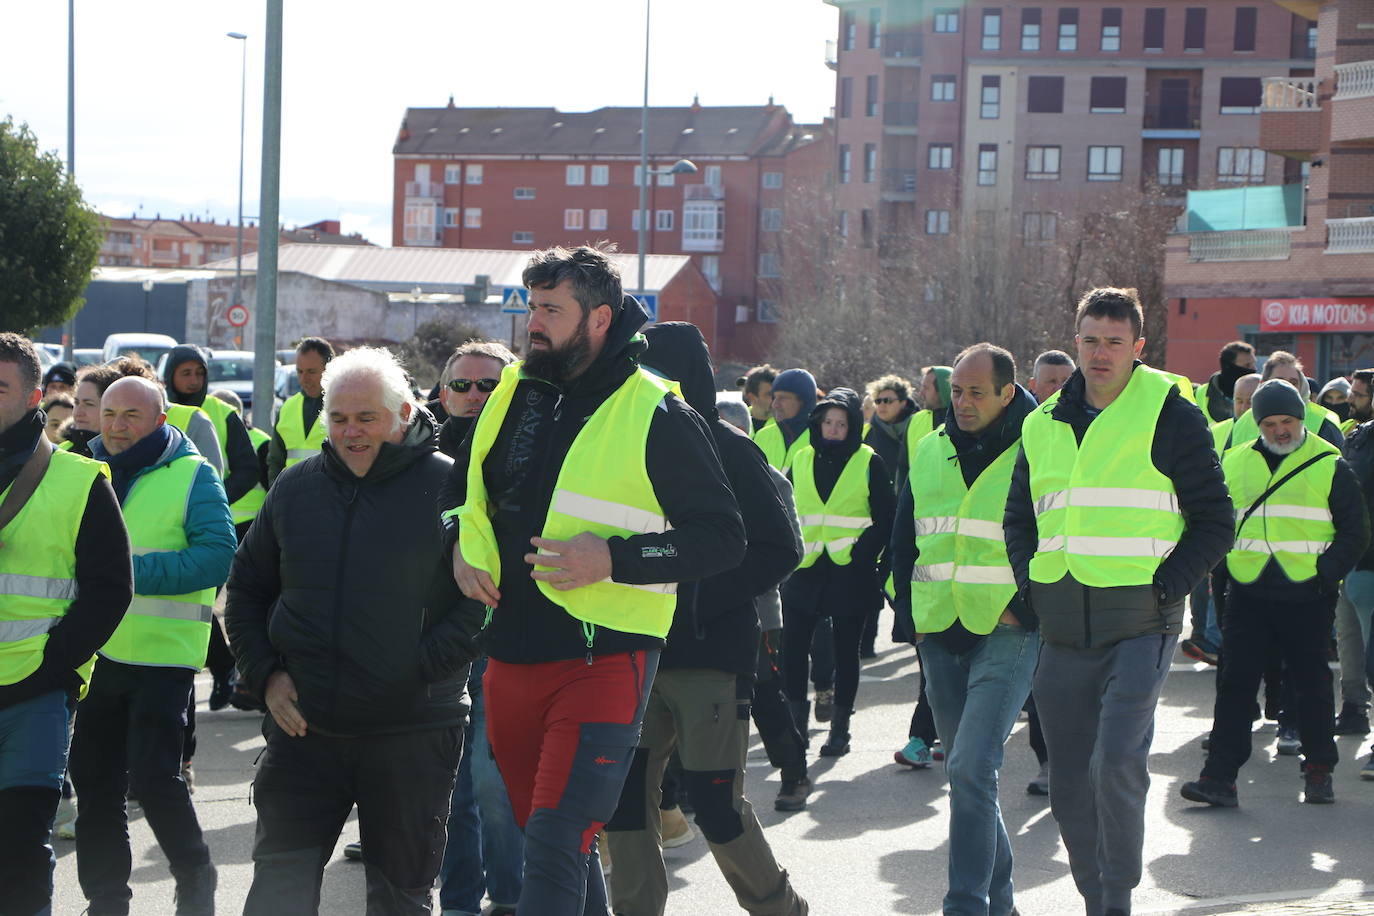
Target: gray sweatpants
{"type": "Point", "coordinates": [1097, 709]}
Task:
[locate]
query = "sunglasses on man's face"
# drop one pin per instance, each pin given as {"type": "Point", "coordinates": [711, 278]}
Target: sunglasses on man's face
{"type": "Point", "coordinates": [484, 385]}
{"type": "Point", "coordinates": [884, 400]}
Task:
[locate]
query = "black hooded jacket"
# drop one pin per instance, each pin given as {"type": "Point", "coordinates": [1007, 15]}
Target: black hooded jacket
{"type": "Point", "coordinates": [241, 465]}
{"type": "Point", "coordinates": [716, 624]}
{"type": "Point", "coordinates": [889, 441]}
{"type": "Point", "coordinates": [975, 452]}
{"type": "Point", "coordinates": [342, 582]}
{"type": "Point", "coordinates": [824, 589]}
{"type": "Point", "coordinates": [521, 471]}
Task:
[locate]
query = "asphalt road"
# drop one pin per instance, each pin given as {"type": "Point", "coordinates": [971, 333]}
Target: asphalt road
{"type": "Point", "coordinates": [873, 839]}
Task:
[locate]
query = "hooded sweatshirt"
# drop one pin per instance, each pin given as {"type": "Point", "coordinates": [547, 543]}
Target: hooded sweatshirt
{"type": "Point", "coordinates": [241, 459]}
{"type": "Point", "coordinates": [716, 624]}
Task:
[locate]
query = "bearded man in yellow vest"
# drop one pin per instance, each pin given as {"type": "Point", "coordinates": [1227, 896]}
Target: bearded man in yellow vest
{"type": "Point", "coordinates": [299, 432]}
{"type": "Point", "coordinates": [587, 490]}
{"type": "Point", "coordinates": [129, 730]}
{"type": "Point", "coordinates": [1117, 509]}
{"type": "Point", "coordinates": [65, 582]}
{"type": "Point", "coordinates": [951, 573]}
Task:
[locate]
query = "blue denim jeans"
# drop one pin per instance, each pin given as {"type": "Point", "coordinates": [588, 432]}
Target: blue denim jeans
{"type": "Point", "coordinates": [486, 850]}
{"type": "Point", "coordinates": [33, 758]}
{"type": "Point", "coordinates": [976, 697]}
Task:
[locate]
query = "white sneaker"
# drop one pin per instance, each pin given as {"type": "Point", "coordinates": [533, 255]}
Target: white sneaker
{"type": "Point", "coordinates": [64, 827]}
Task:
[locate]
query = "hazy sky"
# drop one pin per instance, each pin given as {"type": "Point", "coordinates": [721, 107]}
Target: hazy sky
{"type": "Point", "coordinates": [157, 97]}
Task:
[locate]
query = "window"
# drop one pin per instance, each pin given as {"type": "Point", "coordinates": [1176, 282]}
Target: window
{"type": "Point", "coordinates": [1104, 163]}
{"type": "Point", "coordinates": [871, 97]}
{"type": "Point", "coordinates": [941, 156]}
{"type": "Point", "coordinates": [1246, 17]}
{"type": "Point", "coordinates": [576, 175]}
{"type": "Point", "coordinates": [767, 311]}
{"type": "Point", "coordinates": [946, 21]}
{"type": "Point", "coordinates": [1240, 163]}
{"type": "Point", "coordinates": [991, 100]}
{"type": "Point", "coordinates": [419, 224]}
{"type": "Point", "coordinates": [845, 163]}
{"type": "Point", "coordinates": [842, 224]}
{"type": "Point", "coordinates": [601, 175]}
{"type": "Point", "coordinates": [1045, 95]}
{"type": "Point", "coordinates": [450, 217]}
{"type": "Point", "coordinates": [768, 264]}
{"type": "Point", "coordinates": [703, 225]}
{"type": "Point", "coordinates": [1111, 29]}
{"type": "Point", "coordinates": [866, 227]}
{"type": "Point", "coordinates": [931, 291]}
{"type": "Point", "coordinates": [846, 96]}
{"type": "Point", "coordinates": [870, 162]}
{"type": "Point", "coordinates": [942, 89]}
{"type": "Point", "coordinates": [1042, 163]}
{"type": "Point", "coordinates": [772, 220]}
{"type": "Point", "coordinates": [453, 174]}
{"type": "Point", "coordinates": [1154, 29]}
{"type": "Point", "coordinates": [663, 222]}
{"type": "Point", "coordinates": [987, 163]}
{"type": "Point", "coordinates": [992, 30]}
{"type": "Point", "coordinates": [1030, 30]}
{"type": "Point", "coordinates": [875, 27]}
{"type": "Point", "coordinates": [634, 219]}
{"type": "Point", "coordinates": [1170, 170]}
{"type": "Point", "coordinates": [1039, 227]}
{"type": "Point", "coordinates": [572, 219]}
{"type": "Point", "coordinates": [713, 176]}
{"type": "Point", "coordinates": [710, 268]}
{"type": "Point", "coordinates": [772, 180]}
{"type": "Point", "coordinates": [524, 193]}
{"type": "Point", "coordinates": [849, 31]}
{"type": "Point", "coordinates": [1240, 94]}
{"type": "Point", "coordinates": [1107, 95]}
{"type": "Point", "coordinates": [472, 218]}
{"type": "Point", "coordinates": [1068, 29]}
{"type": "Point", "coordinates": [664, 180]}
{"type": "Point", "coordinates": [522, 237]}
{"type": "Point", "coordinates": [596, 219]}
{"type": "Point", "coordinates": [1195, 28]}
{"type": "Point", "coordinates": [474, 174]}
{"type": "Point", "coordinates": [937, 222]}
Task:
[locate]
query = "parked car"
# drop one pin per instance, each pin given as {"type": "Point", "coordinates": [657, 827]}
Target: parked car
{"type": "Point", "coordinates": [232, 369]}
{"type": "Point", "coordinates": [286, 357]}
{"type": "Point", "coordinates": [148, 346]}
{"type": "Point", "coordinates": [87, 356]}
{"type": "Point", "coordinates": [48, 353]}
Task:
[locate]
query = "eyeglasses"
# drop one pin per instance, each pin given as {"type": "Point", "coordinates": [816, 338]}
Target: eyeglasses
{"type": "Point", "coordinates": [884, 400]}
{"type": "Point", "coordinates": [484, 385]}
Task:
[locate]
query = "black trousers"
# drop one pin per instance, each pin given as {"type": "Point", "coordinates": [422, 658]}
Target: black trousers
{"type": "Point", "coordinates": [128, 738]}
{"type": "Point", "coordinates": [922, 718]}
{"type": "Point", "coordinates": [777, 729]}
{"type": "Point", "coordinates": [1254, 627]}
{"type": "Point", "coordinates": [305, 789]}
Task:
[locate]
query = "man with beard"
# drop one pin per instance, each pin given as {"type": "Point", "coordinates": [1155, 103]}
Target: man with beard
{"type": "Point", "coordinates": [1301, 526]}
{"type": "Point", "coordinates": [1237, 358]}
{"type": "Point", "coordinates": [587, 490]}
{"type": "Point", "coordinates": [469, 378]}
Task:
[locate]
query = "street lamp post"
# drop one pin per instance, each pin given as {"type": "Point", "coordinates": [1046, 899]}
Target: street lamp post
{"type": "Point", "coordinates": [243, 107]}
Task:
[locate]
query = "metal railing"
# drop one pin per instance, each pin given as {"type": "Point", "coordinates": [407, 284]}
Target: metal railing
{"type": "Point", "coordinates": [832, 56]}
{"type": "Point", "coordinates": [902, 44]}
{"type": "Point", "coordinates": [424, 189]}
{"type": "Point", "coordinates": [1350, 236]}
{"type": "Point", "coordinates": [703, 192]}
{"type": "Point", "coordinates": [1176, 117]}
{"type": "Point", "coordinates": [1354, 81]}
{"type": "Point", "coordinates": [1287, 93]}
{"type": "Point", "coordinates": [899, 181]}
{"type": "Point", "coordinates": [1240, 245]}
{"type": "Point", "coordinates": [900, 114]}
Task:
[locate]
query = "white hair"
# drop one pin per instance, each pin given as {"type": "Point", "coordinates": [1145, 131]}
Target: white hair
{"type": "Point", "coordinates": [374, 363]}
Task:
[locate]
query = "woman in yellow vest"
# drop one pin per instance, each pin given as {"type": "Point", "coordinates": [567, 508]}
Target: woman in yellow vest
{"type": "Point", "coordinates": [845, 505]}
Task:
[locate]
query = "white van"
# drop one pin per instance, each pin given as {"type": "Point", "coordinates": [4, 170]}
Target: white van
{"type": "Point", "coordinates": [148, 346]}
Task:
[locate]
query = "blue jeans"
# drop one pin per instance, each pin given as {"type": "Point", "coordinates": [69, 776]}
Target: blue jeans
{"type": "Point", "coordinates": [976, 697]}
{"type": "Point", "coordinates": [33, 758]}
{"type": "Point", "coordinates": [486, 850]}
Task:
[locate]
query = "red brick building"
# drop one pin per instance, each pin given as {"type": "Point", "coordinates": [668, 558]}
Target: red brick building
{"type": "Point", "coordinates": [1305, 283]}
{"type": "Point", "coordinates": [527, 178]}
{"type": "Point", "coordinates": [159, 242]}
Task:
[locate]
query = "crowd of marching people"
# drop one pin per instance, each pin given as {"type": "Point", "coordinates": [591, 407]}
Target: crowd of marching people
{"type": "Point", "coordinates": [524, 625]}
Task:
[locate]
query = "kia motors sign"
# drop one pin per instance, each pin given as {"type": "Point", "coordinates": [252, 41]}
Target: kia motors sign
{"type": "Point", "coordinates": [1317, 315]}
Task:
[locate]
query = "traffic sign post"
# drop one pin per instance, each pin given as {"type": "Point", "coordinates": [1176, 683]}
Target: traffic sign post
{"type": "Point", "coordinates": [237, 315]}
{"type": "Point", "coordinates": [650, 303]}
{"type": "Point", "coordinates": [514, 301]}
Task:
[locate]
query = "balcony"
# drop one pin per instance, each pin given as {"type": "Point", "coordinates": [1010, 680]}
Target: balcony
{"type": "Point", "coordinates": [1350, 236]}
{"type": "Point", "coordinates": [1354, 81]}
{"type": "Point", "coordinates": [1352, 106]}
{"type": "Point", "coordinates": [1290, 116]}
{"type": "Point", "coordinates": [832, 55]}
{"type": "Point", "coordinates": [900, 117]}
{"type": "Point", "coordinates": [899, 185]}
{"type": "Point", "coordinates": [1172, 121]}
{"type": "Point", "coordinates": [703, 192]}
{"type": "Point", "coordinates": [425, 189]}
{"type": "Point", "coordinates": [1288, 93]}
{"type": "Point", "coordinates": [1242, 245]}
{"type": "Point", "coordinates": [902, 49]}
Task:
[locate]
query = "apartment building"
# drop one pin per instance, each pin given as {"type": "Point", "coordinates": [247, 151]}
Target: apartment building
{"type": "Point", "coordinates": [527, 178]}
{"type": "Point", "coordinates": [182, 242]}
{"type": "Point", "coordinates": [1012, 115]}
{"type": "Point", "coordinates": [1291, 266]}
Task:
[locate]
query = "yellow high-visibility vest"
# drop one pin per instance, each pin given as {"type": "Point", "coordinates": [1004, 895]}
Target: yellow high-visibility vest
{"type": "Point", "coordinates": [833, 525]}
{"type": "Point", "coordinates": [301, 443]}
{"type": "Point", "coordinates": [1294, 524]}
{"type": "Point", "coordinates": [779, 454]}
{"type": "Point", "coordinates": [245, 509]}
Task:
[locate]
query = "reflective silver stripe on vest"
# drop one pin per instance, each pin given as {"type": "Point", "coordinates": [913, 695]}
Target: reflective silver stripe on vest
{"type": "Point", "coordinates": [605, 512]}
{"type": "Point", "coordinates": [978, 528]}
{"type": "Point", "coordinates": [37, 587]}
{"type": "Point", "coordinates": [936, 524]}
{"type": "Point", "coordinates": [932, 572]}
{"type": "Point", "coordinates": [1051, 501]}
{"type": "Point", "coordinates": [300, 454]}
{"type": "Point", "coordinates": [1288, 510]}
{"type": "Point", "coordinates": [985, 575]}
{"type": "Point", "coordinates": [1256, 545]}
{"type": "Point", "coordinates": [835, 521]}
{"type": "Point", "coordinates": [1123, 498]}
{"type": "Point", "coordinates": [1088, 545]}
{"type": "Point", "coordinates": [839, 544]}
{"type": "Point", "coordinates": [16, 630]}
{"type": "Point", "coordinates": [171, 610]}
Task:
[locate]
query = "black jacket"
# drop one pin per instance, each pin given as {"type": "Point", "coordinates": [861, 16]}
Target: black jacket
{"type": "Point", "coordinates": [1076, 615]}
{"type": "Point", "coordinates": [889, 441]}
{"type": "Point", "coordinates": [452, 433]}
{"type": "Point", "coordinates": [342, 582]}
{"type": "Point", "coordinates": [104, 574]}
{"type": "Point", "coordinates": [521, 471]}
{"type": "Point", "coordinates": [241, 459]}
{"type": "Point", "coordinates": [824, 589]}
{"type": "Point", "coordinates": [1359, 452]}
{"type": "Point", "coordinates": [716, 624]}
{"type": "Point", "coordinates": [974, 454]}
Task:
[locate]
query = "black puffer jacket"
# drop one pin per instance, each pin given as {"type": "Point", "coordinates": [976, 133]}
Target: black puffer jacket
{"type": "Point", "coordinates": [716, 624]}
{"type": "Point", "coordinates": [342, 582]}
{"type": "Point", "coordinates": [824, 589]}
{"type": "Point", "coordinates": [1073, 614]}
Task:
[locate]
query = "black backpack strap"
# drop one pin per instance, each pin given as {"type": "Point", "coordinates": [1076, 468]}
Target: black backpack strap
{"type": "Point", "coordinates": [1280, 482]}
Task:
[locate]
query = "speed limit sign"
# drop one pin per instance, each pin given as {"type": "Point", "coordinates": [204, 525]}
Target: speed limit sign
{"type": "Point", "coordinates": [238, 315]}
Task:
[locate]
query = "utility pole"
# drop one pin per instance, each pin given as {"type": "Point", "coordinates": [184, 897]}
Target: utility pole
{"type": "Point", "coordinates": [265, 340]}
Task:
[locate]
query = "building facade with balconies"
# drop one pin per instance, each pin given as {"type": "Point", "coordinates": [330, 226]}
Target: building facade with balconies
{"type": "Point", "coordinates": [158, 242]}
{"type": "Point", "coordinates": [502, 178]}
{"type": "Point", "coordinates": [1302, 281]}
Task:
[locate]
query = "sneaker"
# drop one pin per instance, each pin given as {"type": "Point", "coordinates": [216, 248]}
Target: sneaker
{"type": "Point", "coordinates": [915, 755]}
{"type": "Point", "coordinates": [220, 693]}
{"type": "Point", "coordinates": [675, 831]}
{"type": "Point", "coordinates": [1199, 650]}
{"type": "Point", "coordinates": [1353, 720]}
{"type": "Point", "coordinates": [1367, 771]}
{"type": "Point", "coordinates": [792, 795]}
{"type": "Point", "coordinates": [937, 751]}
{"type": "Point", "coordinates": [1210, 791]}
{"type": "Point", "coordinates": [825, 705]}
{"type": "Point", "coordinates": [64, 827]}
{"type": "Point", "coordinates": [353, 852]}
{"type": "Point", "coordinates": [1317, 789]}
{"type": "Point", "coordinates": [189, 775]}
{"type": "Point", "coordinates": [1040, 785]}
{"type": "Point", "coordinates": [1289, 743]}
